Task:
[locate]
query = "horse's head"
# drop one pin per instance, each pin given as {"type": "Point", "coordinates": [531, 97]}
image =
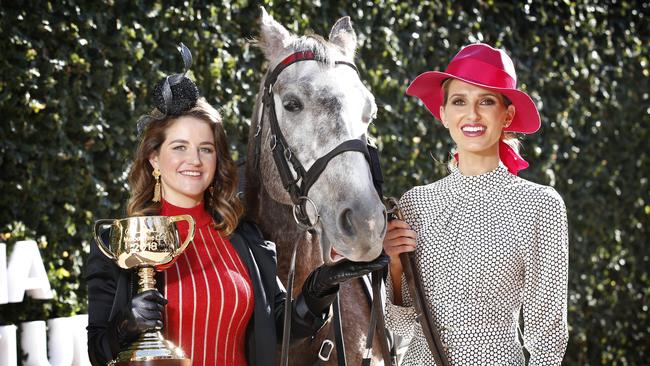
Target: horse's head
{"type": "Point", "coordinates": [319, 104]}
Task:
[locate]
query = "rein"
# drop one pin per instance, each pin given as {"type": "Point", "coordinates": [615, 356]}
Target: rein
{"type": "Point", "coordinates": [298, 187]}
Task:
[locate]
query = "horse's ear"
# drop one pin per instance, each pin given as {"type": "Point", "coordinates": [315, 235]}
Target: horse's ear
{"type": "Point", "coordinates": [343, 35]}
{"type": "Point", "coordinates": [274, 37]}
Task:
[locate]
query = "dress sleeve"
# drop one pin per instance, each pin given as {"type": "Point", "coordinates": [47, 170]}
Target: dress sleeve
{"type": "Point", "coordinates": [545, 283]}
{"type": "Point", "coordinates": [400, 319]}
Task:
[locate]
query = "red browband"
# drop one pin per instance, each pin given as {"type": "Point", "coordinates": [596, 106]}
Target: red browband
{"type": "Point", "coordinates": [298, 56]}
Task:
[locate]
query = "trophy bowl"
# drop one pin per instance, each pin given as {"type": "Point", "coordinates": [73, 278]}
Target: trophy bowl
{"type": "Point", "coordinates": [146, 244]}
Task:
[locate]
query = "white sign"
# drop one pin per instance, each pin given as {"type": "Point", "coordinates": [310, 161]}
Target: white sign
{"type": "Point", "coordinates": [65, 338]}
{"type": "Point", "coordinates": [25, 273]}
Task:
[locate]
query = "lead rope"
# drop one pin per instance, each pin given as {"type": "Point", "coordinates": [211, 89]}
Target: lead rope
{"type": "Point", "coordinates": [286, 330]}
{"type": "Point", "coordinates": [377, 323]}
{"type": "Point", "coordinates": [338, 333]}
{"type": "Point", "coordinates": [388, 356]}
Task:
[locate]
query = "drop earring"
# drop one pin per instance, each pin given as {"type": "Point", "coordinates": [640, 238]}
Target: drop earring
{"type": "Point", "coordinates": [156, 188]}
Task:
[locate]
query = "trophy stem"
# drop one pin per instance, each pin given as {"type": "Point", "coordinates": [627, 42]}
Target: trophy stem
{"type": "Point", "coordinates": [147, 280]}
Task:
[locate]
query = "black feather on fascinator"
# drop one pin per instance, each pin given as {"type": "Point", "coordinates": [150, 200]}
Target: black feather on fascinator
{"type": "Point", "coordinates": [173, 95]}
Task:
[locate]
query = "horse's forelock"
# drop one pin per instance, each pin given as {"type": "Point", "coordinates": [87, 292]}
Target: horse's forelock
{"type": "Point", "coordinates": [316, 44]}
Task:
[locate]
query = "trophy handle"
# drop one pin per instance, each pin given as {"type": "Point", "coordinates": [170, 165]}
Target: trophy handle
{"type": "Point", "coordinates": [190, 233]}
{"type": "Point", "coordinates": [100, 243]}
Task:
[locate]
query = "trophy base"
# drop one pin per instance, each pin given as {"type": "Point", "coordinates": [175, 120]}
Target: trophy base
{"type": "Point", "coordinates": [151, 349]}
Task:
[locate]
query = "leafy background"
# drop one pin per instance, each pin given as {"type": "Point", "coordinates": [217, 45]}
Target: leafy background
{"type": "Point", "coordinates": [74, 77]}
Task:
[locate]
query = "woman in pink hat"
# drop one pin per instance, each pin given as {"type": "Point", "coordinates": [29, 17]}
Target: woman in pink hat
{"type": "Point", "coordinates": [489, 244]}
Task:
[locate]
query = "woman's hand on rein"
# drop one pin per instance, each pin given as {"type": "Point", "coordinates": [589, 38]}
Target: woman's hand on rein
{"type": "Point", "coordinates": [399, 239]}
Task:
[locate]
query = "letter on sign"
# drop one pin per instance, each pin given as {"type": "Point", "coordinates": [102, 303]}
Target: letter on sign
{"type": "Point", "coordinates": [27, 273]}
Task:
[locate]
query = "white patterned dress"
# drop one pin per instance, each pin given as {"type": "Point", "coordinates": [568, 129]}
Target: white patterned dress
{"type": "Point", "coordinates": [487, 246]}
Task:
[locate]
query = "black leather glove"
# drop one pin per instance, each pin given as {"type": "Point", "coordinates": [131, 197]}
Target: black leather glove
{"type": "Point", "coordinates": [321, 286]}
{"type": "Point", "coordinates": [144, 312]}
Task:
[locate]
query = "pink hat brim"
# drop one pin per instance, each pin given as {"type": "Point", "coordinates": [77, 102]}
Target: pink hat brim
{"type": "Point", "coordinates": [428, 87]}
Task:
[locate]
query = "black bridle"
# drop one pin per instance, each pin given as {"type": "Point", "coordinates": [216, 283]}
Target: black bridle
{"type": "Point", "coordinates": [298, 186]}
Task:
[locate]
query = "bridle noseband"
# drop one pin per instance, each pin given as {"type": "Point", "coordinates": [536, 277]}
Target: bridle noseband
{"type": "Point", "coordinates": [298, 186]}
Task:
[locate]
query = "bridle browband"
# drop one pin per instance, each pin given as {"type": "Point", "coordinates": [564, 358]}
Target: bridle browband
{"type": "Point", "coordinates": [298, 186]}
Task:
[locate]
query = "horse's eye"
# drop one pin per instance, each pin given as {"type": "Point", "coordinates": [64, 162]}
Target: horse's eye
{"type": "Point", "coordinates": [292, 104]}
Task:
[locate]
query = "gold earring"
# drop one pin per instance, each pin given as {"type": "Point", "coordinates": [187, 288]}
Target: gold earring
{"type": "Point", "coordinates": [156, 189]}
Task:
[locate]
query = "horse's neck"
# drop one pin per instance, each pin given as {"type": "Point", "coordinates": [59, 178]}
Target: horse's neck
{"type": "Point", "coordinates": [277, 224]}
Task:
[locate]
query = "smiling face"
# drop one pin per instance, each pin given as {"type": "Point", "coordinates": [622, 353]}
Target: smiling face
{"type": "Point", "coordinates": [475, 117]}
{"type": "Point", "coordinates": [187, 161]}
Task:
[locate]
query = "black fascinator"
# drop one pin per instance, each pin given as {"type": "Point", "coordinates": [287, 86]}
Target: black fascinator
{"type": "Point", "coordinates": [173, 95]}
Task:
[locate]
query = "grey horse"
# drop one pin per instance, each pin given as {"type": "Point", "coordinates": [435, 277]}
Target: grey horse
{"type": "Point", "coordinates": [318, 104]}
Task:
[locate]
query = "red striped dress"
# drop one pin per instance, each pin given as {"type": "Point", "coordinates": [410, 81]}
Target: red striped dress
{"type": "Point", "coordinates": [210, 294]}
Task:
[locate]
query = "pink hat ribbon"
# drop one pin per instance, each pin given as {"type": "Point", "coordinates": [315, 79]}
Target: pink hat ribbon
{"type": "Point", "coordinates": [509, 157]}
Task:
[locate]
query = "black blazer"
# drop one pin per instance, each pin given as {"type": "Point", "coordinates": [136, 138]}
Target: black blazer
{"type": "Point", "coordinates": [110, 289]}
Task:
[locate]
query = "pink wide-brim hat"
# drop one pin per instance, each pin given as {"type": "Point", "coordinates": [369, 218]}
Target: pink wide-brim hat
{"type": "Point", "coordinates": [486, 67]}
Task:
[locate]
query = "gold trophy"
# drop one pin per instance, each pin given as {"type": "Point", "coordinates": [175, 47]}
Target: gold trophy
{"type": "Point", "coordinates": [150, 244]}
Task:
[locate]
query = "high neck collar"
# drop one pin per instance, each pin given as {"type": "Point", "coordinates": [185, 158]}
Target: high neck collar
{"type": "Point", "coordinates": [487, 181]}
{"type": "Point", "coordinates": [198, 212]}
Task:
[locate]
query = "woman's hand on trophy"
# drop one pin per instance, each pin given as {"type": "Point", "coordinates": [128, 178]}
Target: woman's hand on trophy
{"type": "Point", "coordinates": [323, 283]}
{"type": "Point", "coordinates": [143, 313]}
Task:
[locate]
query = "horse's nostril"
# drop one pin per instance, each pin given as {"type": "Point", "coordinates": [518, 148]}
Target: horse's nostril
{"type": "Point", "coordinates": [345, 222]}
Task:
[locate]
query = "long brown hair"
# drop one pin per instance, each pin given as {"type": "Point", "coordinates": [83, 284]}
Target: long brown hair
{"type": "Point", "coordinates": [223, 202]}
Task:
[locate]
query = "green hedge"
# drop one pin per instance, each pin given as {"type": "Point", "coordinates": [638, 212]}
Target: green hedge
{"type": "Point", "coordinates": [75, 77]}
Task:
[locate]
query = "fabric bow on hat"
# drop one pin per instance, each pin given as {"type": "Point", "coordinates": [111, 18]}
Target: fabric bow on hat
{"type": "Point", "coordinates": [175, 94]}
